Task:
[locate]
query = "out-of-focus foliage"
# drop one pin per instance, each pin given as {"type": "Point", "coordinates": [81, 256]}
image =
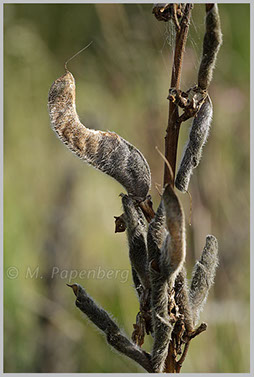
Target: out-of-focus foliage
{"type": "Point", "coordinates": [58, 212]}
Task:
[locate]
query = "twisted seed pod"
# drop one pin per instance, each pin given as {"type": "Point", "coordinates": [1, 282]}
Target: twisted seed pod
{"type": "Point", "coordinates": [193, 151]}
{"type": "Point", "coordinates": [105, 151]}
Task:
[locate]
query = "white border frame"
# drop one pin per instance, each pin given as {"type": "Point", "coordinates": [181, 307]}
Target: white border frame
{"type": "Point", "coordinates": [251, 190]}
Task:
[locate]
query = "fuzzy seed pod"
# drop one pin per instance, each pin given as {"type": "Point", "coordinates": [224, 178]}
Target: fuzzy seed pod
{"type": "Point", "coordinates": [162, 328]}
{"type": "Point", "coordinates": [105, 151]}
{"type": "Point", "coordinates": [115, 337]}
{"type": "Point", "coordinates": [156, 233]}
{"type": "Point", "coordinates": [162, 325]}
{"type": "Point", "coordinates": [169, 260]}
{"type": "Point", "coordinates": [203, 276]}
{"type": "Point", "coordinates": [211, 46]}
{"type": "Point", "coordinates": [193, 151]}
{"type": "Point", "coordinates": [174, 248]}
{"type": "Point", "coordinates": [182, 299]}
{"type": "Point", "coordinates": [136, 232]}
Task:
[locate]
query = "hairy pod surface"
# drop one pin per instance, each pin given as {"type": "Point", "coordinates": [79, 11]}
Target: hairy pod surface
{"type": "Point", "coordinates": [136, 233]}
{"type": "Point", "coordinates": [203, 276]}
{"type": "Point", "coordinates": [182, 298]}
{"type": "Point", "coordinates": [197, 138]}
{"type": "Point", "coordinates": [115, 337]}
{"type": "Point", "coordinates": [166, 246]}
{"type": "Point", "coordinates": [105, 151]}
{"type": "Point", "coordinates": [211, 46]}
{"type": "Point", "coordinates": [174, 248]}
{"type": "Point", "coordinates": [156, 233]}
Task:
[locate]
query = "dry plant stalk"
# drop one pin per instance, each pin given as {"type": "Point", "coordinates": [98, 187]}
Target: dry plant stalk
{"type": "Point", "coordinates": [168, 308]}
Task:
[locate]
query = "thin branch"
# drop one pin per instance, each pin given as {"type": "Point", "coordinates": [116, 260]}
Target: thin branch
{"type": "Point", "coordinates": [172, 133]}
{"type": "Point", "coordinates": [201, 328]}
{"type": "Point", "coordinates": [170, 365]}
{"type": "Point", "coordinates": [182, 358]}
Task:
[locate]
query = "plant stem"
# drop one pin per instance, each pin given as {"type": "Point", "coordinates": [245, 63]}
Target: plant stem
{"type": "Point", "coordinates": [180, 362]}
{"type": "Point", "coordinates": [172, 132]}
{"type": "Point", "coordinates": [170, 364]}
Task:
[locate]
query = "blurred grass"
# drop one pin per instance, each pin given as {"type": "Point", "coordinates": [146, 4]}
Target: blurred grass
{"type": "Point", "coordinates": [59, 212]}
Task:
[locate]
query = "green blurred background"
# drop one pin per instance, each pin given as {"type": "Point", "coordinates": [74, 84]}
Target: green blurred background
{"type": "Point", "coordinates": [59, 212]}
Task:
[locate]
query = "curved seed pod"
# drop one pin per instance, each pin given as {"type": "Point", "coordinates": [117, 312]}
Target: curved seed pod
{"type": "Point", "coordinates": [105, 151]}
{"type": "Point", "coordinates": [136, 232]}
{"type": "Point", "coordinates": [193, 151]}
{"type": "Point", "coordinates": [203, 276]}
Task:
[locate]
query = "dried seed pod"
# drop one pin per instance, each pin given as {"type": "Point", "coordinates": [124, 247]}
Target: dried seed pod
{"type": "Point", "coordinates": [170, 259]}
{"type": "Point", "coordinates": [105, 151]}
{"type": "Point", "coordinates": [103, 320]}
{"type": "Point", "coordinates": [136, 232]}
{"type": "Point", "coordinates": [162, 325]}
{"type": "Point", "coordinates": [211, 46]}
{"type": "Point", "coordinates": [174, 247]}
{"type": "Point", "coordinates": [193, 151]}
{"type": "Point", "coordinates": [137, 283]}
{"type": "Point", "coordinates": [157, 236]}
{"type": "Point", "coordinates": [203, 276]}
{"type": "Point", "coordinates": [156, 233]}
{"type": "Point", "coordinates": [182, 299]}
